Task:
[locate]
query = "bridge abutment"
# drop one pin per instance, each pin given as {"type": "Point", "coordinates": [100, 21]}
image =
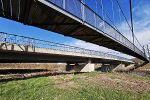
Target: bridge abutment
{"type": "Point", "coordinates": [117, 68]}
{"type": "Point", "coordinates": [112, 67]}
{"type": "Point", "coordinates": [87, 67]}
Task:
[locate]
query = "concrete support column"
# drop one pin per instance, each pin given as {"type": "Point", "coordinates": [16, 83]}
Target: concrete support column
{"type": "Point", "coordinates": [88, 67]}
{"type": "Point", "coordinates": [68, 67]}
{"type": "Point", "coordinates": [112, 67]}
{"type": "Point", "coordinates": [107, 67]}
{"type": "Point", "coordinates": [119, 68]}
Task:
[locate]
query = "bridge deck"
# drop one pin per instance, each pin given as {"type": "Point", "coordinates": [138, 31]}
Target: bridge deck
{"type": "Point", "coordinates": [48, 16]}
{"type": "Point", "coordinates": [15, 53]}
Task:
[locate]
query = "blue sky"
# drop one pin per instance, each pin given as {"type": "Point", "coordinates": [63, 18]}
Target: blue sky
{"type": "Point", "coordinates": [141, 21]}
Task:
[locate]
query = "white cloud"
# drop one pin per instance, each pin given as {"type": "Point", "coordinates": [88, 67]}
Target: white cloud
{"type": "Point", "coordinates": [141, 16]}
{"type": "Point", "coordinates": [144, 36]}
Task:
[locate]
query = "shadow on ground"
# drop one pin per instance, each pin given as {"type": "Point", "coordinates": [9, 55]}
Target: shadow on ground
{"type": "Point", "coordinates": [7, 75]}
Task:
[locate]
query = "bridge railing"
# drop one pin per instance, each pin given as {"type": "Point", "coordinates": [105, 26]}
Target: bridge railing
{"type": "Point", "coordinates": [81, 11]}
{"type": "Point", "coordinates": [27, 41]}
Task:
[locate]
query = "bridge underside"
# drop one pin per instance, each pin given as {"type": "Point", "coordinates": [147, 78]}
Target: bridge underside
{"type": "Point", "coordinates": [39, 15]}
{"type": "Point", "coordinates": [8, 56]}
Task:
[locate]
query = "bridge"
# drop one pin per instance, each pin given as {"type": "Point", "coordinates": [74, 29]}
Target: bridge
{"type": "Point", "coordinates": [17, 49]}
{"type": "Point", "coordinates": [70, 18]}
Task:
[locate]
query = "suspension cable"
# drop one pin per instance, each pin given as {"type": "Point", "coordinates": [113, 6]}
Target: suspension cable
{"type": "Point", "coordinates": [107, 15]}
{"type": "Point", "coordinates": [131, 27]}
{"type": "Point", "coordinates": [120, 19]}
{"type": "Point", "coordinates": [131, 19]}
{"type": "Point", "coordinates": [113, 11]}
{"type": "Point", "coordinates": [96, 6]}
{"type": "Point", "coordinates": [123, 14]}
{"type": "Point", "coordinates": [102, 9]}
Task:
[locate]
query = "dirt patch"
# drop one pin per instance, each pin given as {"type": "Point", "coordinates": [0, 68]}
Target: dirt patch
{"type": "Point", "coordinates": [64, 81]}
{"type": "Point", "coordinates": [114, 81]}
{"type": "Point", "coordinates": [121, 82]}
{"type": "Point", "coordinates": [144, 68]}
{"type": "Point", "coordinates": [29, 75]}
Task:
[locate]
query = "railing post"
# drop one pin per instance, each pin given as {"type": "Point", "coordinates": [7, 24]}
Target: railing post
{"type": "Point", "coordinates": [95, 20]}
{"type": "Point", "coordinates": [34, 44]}
{"type": "Point", "coordinates": [82, 10]}
{"type": "Point", "coordinates": [0, 38]}
{"type": "Point", "coordinates": [148, 50]}
{"type": "Point", "coordinates": [5, 37]}
{"type": "Point", "coordinates": [64, 3]}
{"type": "Point", "coordinates": [15, 39]}
{"type": "Point", "coordinates": [103, 26]}
{"type": "Point", "coordinates": [144, 50]}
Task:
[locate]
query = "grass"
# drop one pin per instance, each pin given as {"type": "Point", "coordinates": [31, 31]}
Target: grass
{"type": "Point", "coordinates": [44, 88]}
{"type": "Point", "coordinates": [87, 73]}
{"type": "Point", "coordinates": [137, 77]}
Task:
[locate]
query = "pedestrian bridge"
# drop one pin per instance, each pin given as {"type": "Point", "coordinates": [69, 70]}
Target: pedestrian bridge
{"type": "Point", "coordinates": [70, 18]}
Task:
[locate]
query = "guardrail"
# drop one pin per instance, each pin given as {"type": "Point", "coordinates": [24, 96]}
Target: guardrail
{"type": "Point", "coordinates": [81, 11]}
{"type": "Point", "coordinates": [27, 41]}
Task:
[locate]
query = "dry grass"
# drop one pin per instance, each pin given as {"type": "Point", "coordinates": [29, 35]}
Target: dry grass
{"type": "Point", "coordinates": [141, 65]}
{"type": "Point", "coordinates": [144, 68]}
{"type": "Point", "coordinates": [138, 62]}
{"type": "Point", "coordinates": [51, 66]}
{"type": "Point", "coordinates": [64, 81]}
{"type": "Point", "coordinates": [63, 66]}
{"type": "Point", "coordinates": [121, 82]}
{"type": "Point", "coordinates": [117, 81]}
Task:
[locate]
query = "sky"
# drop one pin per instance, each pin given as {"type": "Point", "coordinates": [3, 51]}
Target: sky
{"type": "Point", "coordinates": [141, 24]}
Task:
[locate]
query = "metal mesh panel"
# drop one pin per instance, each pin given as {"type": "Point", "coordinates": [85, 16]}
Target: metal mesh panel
{"type": "Point", "coordinates": [107, 29]}
{"type": "Point", "coordinates": [111, 31]}
{"type": "Point", "coordinates": [114, 33]}
{"type": "Point", "coordinates": [57, 2]}
{"type": "Point", "coordinates": [120, 37]}
{"type": "Point", "coordinates": [89, 16]}
{"type": "Point", "coordinates": [99, 23]}
{"type": "Point", "coordinates": [73, 6]}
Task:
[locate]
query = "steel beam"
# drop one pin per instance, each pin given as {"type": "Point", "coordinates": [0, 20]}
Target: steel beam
{"type": "Point", "coordinates": [73, 30]}
{"type": "Point", "coordinates": [27, 11]}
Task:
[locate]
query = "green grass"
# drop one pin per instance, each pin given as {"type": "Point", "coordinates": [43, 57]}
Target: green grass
{"type": "Point", "coordinates": [43, 88]}
{"type": "Point", "coordinates": [87, 73]}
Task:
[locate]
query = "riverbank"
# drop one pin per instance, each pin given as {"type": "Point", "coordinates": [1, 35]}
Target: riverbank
{"type": "Point", "coordinates": [77, 86]}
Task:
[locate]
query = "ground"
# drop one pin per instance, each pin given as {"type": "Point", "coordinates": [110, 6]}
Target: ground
{"type": "Point", "coordinates": [146, 67]}
{"type": "Point", "coordinates": [76, 86]}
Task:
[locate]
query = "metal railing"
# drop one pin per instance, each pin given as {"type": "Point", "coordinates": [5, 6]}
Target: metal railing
{"type": "Point", "coordinates": [27, 41]}
{"type": "Point", "coordinates": [81, 11]}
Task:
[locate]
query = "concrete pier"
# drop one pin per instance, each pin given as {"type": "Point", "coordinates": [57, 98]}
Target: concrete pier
{"type": "Point", "coordinates": [87, 67]}
{"type": "Point", "coordinates": [116, 67]}
{"type": "Point", "coordinates": [112, 67]}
